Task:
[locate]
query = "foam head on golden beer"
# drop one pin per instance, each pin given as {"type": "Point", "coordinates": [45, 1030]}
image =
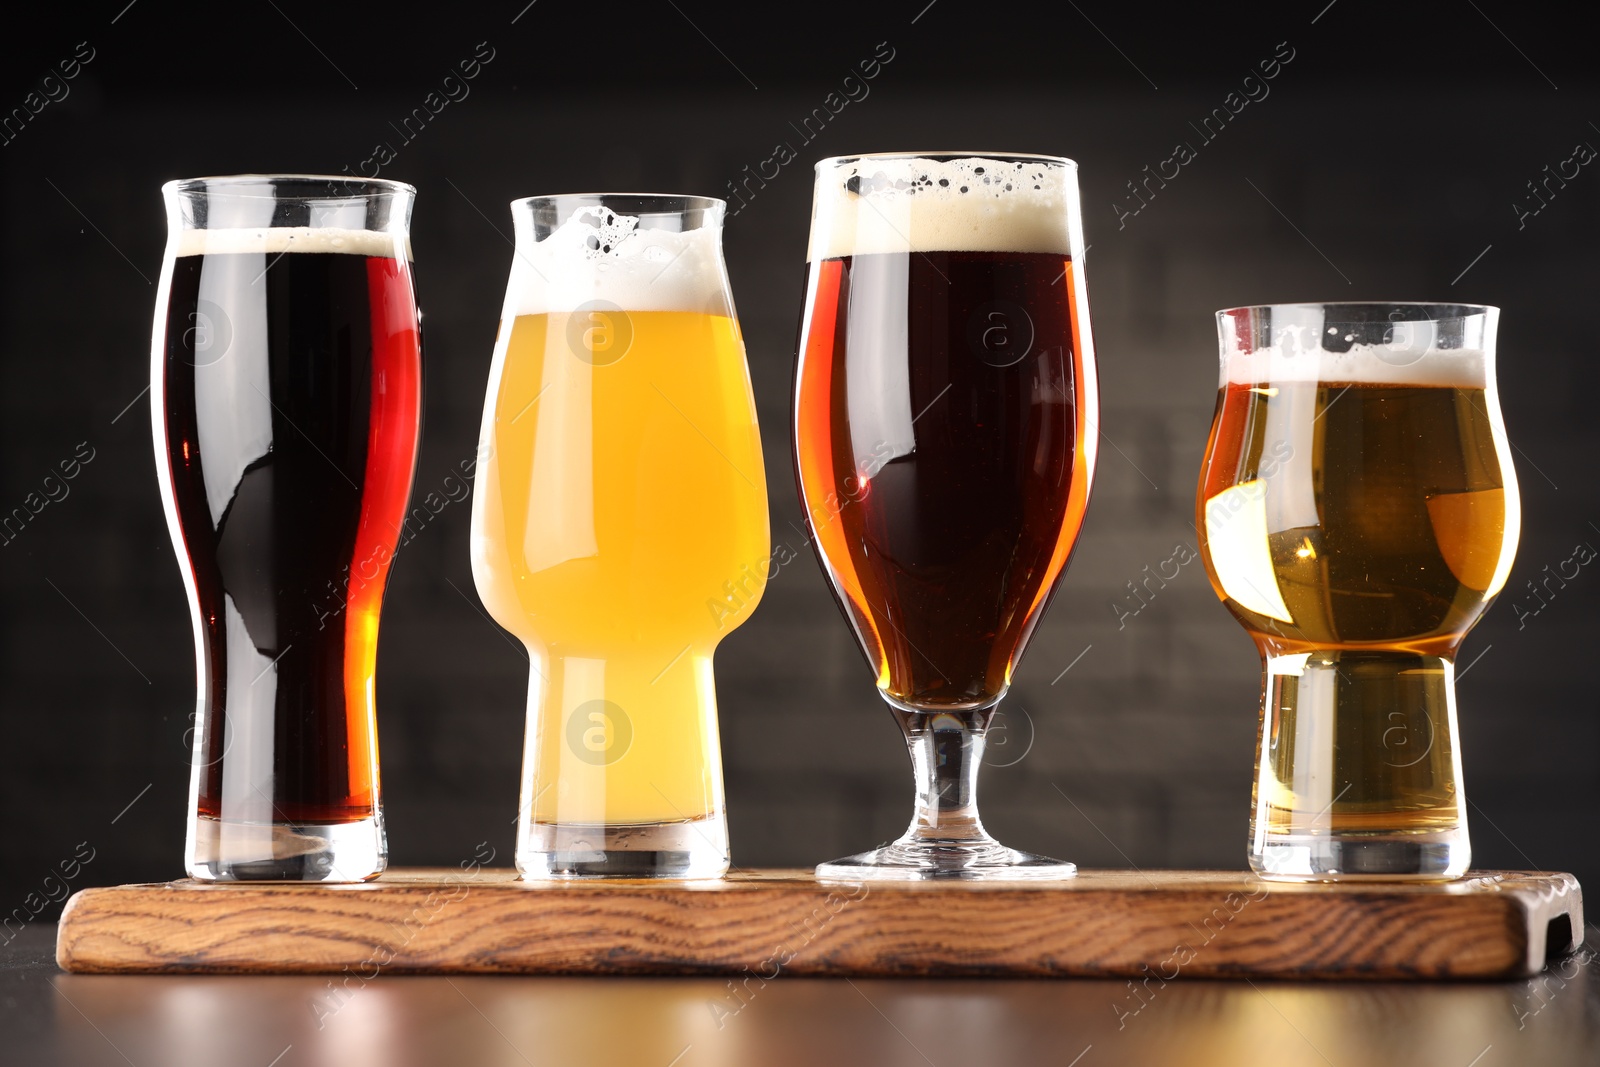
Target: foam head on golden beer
{"type": "Point", "coordinates": [1353, 494]}
{"type": "Point", "coordinates": [619, 525]}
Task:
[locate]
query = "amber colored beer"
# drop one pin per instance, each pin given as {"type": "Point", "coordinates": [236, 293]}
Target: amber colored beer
{"type": "Point", "coordinates": [1387, 527]}
{"type": "Point", "coordinates": [944, 444]}
{"type": "Point", "coordinates": [1357, 514]}
{"type": "Point", "coordinates": [945, 481]}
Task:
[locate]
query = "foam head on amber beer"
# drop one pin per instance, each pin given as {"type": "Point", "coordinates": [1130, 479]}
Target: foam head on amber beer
{"type": "Point", "coordinates": [1304, 344]}
{"type": "Point", "coordinates": [904, 204]}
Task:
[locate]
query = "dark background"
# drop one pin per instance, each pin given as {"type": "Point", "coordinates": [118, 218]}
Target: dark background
{"type": "Point", "coordinates": [1385, 163]}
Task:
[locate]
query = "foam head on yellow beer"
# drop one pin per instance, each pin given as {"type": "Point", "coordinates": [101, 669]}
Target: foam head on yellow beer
{"type": "Point", "coordinates": [619, 525]}
{"type": "Point", "coordinates": [1358, 495]}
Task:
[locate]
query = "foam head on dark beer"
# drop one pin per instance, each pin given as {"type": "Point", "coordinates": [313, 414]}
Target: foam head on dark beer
{"type": "Point", "coordinates": [275, 240]}
{"type": "Point", "coordinates": [914, 204]}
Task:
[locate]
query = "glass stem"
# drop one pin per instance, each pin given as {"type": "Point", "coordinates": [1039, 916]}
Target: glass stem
{"type": "Point", "coordinates": [946, 750]}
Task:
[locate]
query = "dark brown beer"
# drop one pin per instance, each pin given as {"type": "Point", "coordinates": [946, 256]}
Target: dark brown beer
{"type": "Point", "coordinates": [945, 410]}
{"type": "Point", "coordinates": [940, 445]}
{"type": "Point", "coordinates": [290, 406]}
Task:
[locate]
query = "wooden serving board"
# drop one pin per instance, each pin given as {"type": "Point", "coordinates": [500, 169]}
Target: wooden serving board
{"type": "Point", "coordinates": [1103, 923]}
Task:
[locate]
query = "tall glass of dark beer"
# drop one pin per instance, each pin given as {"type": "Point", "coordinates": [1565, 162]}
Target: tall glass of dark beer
{"type": "Point", "coordinates": [1358, 512]}
{"type": "Point", "coordinates": [945, 418]}
{"type": "Point", "coordinates": [285, 390]}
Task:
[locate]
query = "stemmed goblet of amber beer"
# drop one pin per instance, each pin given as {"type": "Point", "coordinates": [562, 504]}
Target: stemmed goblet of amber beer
{"type": "Point", "coordinates": [945, 427]}
{"type": "Point", "coordinates": [1358, 511]}
{"type": "Point", "coordinates": [619, 527]}
{"type": "Point", "coordinates": [285, 390]}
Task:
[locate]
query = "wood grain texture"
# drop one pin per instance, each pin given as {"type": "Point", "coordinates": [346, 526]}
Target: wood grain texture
{"type": "Point", "coordinates": [1149, 925]}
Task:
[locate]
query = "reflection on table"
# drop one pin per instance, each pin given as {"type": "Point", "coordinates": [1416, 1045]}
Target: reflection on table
{"type": "Point", "coordinates": [1551, 1021]}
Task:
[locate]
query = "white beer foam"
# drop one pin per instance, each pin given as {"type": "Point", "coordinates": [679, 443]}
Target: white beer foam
{"type": "Point", "coordinates": [600, 256]}
{"type": "Point", "coordinates": [1417, 363]}
{"type": "Point", "coordinates": [273, 240]}
{"type": "Point", "coordinates": [972, 204]}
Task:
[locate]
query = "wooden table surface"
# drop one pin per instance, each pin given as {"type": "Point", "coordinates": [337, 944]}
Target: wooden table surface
{"type": "Point", "coordinates": [47, 1017]}
{"type": "Point", "coordinates": [1101, 924]}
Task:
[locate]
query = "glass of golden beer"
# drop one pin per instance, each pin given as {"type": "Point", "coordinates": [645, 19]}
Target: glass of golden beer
{"type": "Point", "coordinates": [619, 527]}
{"type": "Point", "coordinates": [1357, 513]}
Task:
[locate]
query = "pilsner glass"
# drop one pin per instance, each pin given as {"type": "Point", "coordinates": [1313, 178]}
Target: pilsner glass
{"type": "Point", "coordinates": [285, 392]}
{"type": "Point", "coordinates": [1357, 513]}
{"type": "Point", "coordinates": [619, 527]}
{"type": "Point", "coordinates": [945, 426]}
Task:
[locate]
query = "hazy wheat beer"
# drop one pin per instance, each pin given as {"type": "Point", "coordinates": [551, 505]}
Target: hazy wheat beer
{"type": "Point", "coordinates": [1358, 512]}
{"type": "Point", "coordinates": [620, 526]}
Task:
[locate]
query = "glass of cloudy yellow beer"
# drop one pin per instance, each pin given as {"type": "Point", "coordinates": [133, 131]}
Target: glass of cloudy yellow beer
{"type": "Point", "coordinates": [1358, 511]}
{"type": "Point", "coordinates": [619, 527]}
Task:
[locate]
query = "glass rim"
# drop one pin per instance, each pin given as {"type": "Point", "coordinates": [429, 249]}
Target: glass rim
{"type": "Point", "coordinates": [1451, 309]}
{"type": "Point", "coordinates": [686, 201]}
{"type": "Point", "coordinates": [235, 184]}
{"type": "Point", "coordinates": [945, 157]}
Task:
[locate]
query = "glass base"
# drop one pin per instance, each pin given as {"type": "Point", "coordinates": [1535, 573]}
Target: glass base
{"type": "Point", "coordinates": [689, 849]}
{"type": "Point", "coordinates": [1431, 857]}
{"type": "Point", "coordinates": [228, 851]}
{"type": "Point", "coordinates": [989, 861]}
